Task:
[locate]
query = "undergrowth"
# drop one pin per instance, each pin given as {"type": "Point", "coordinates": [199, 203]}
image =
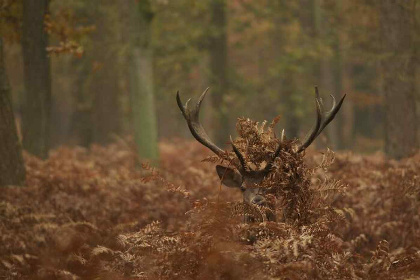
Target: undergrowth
{"type": "Point", "coordinates": [96, 214]}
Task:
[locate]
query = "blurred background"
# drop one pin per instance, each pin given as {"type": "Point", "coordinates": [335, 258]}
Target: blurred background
{"type": "Point", "coordinates": [84, 72]}
{"type": "Point", "coordinates": [87, 92]}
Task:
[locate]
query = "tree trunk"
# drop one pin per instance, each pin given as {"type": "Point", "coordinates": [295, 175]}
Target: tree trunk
{"type": "Point", "coordinates": [347, 111]}
{"type": "Point", "coordinates": [12, 170]}
{"type": "Point", "coordinates": [82, 104]}
{"type": "Point", "coordinates": [338, 73]}
{"type": "Point", "coordinates": [286, 82]}
{"type": "Point", "coordinates": [105, 109]}
{"type": "Point", "coordinates": [81, 119]}
{"type": "Point", "coordinates": [398, 73]}
{"type": "Point", "coordinates": [142, 83]}
{"type": "Point", "coordinates": [61, 96]}
{"type": "Point", "coordinates": [37, 79]}
{"type": "Point", "coordinates": [104, 83]}
{"type": "Point", "coordinates": [218, 71]}
{"type": "Point", "coordinates": [307, 17]}
{"type": "Point", "coordinates": [326, 75]}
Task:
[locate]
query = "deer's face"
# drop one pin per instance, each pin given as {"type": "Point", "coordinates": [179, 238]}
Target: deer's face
{"type": "Point", "coordinates": [247, 184]}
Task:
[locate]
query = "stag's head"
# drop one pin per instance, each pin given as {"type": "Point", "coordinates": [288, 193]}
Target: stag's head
{"type": "Point", "coordinates": [242, 176]}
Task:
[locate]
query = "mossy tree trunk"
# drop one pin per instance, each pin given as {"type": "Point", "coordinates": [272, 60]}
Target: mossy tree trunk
{"type": "Point", "coordinates": [12, 170]}
{"type": "Point", "coordinates": [37, 78]}
{"type": "Point", "coordinates": [142, 83]}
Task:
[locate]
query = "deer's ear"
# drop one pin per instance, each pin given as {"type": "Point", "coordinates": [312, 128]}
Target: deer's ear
{"type": "Point", "coordinates": [229, 177]}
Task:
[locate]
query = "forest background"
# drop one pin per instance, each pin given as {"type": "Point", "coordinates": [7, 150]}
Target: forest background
{"type": "Point", "coordinates": [87, 99]}
{"type": "Point", "coordinates": [83, 72]}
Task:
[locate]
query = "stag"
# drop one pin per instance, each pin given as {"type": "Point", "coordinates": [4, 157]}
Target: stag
{"type": "Point", "coordinates": [243, 177]}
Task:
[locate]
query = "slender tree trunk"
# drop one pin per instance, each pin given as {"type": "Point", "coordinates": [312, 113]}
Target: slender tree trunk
{"type": "Point", "coordinates": [12, 170]}
{"type": "Point", "coordinates": [338, 73]}
{"type": "Point", "coordinates": [326, 75]}
{"type": "Point", "coordinates": [347, 111]}
{"type": "Point", "coordinates": [219, 71]}
{"type": "Point", "coordinates": [327, 84]}
{"type": "Point", "coordinates": [417, 90]}
{"type": "Point", "coordinates": [81, 119]}
{"type": "Point", "coordinates": [61, 96]}
{"type": "Point", "coordinates": [398, 73]}
{"type": "Point", "coordinates": [307, 17]}
{"type": "Point", "coordinates": [206, 112]}
{"type": "Point", "coordinates": [106, 111]}
{"type": "Point", "coordinates": [81, 123]}
{"type": "Point", "coordinates": [286, 82]}
{"type": "Point", "coordinates": [37, 78]}
{"type": "Point", "coordinates": [142, 83]}
{"type": "Point", "coordinates": [104, 82]}
{"type": "Point", "coordinates": [347, 129]}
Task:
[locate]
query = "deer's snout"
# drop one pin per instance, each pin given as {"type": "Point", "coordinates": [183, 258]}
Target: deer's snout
{"type": "Point", "coordinates": [258, 200]}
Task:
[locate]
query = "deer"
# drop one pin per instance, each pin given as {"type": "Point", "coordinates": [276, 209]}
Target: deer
{"type": "Point", "coordinates": [242, 176]}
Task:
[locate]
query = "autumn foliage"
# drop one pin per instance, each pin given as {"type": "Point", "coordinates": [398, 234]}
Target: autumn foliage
{"type": "Point", "coordinates": [95, 214]}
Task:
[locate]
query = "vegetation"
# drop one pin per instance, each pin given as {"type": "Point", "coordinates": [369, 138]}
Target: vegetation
{"type": "Point", "coordinates": [93, 214]}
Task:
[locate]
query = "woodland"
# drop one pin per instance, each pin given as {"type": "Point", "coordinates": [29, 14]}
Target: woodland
{"type": "Point", "coordinates": [108, 172]}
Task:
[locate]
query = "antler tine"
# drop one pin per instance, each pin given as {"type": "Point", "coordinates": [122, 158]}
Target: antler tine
{"type": "Point", "coordinates": [179, 102]}
{"type": "Point", "coordinates": [239, 156]}
{"type": "Point", "coordinates": [313, 134]}
{"type": "Point", "coordinates": [334, 103]}
{"type": "Point", "coordinates": [323, 118]}
{"type": "Point", "coordinates": [269, 165]}
{"type": "Point", "coordinates": [329, 116]}
{"type": "Point", "coordinates": [192, 118]}
{"type": "Point", "coordinates": [197, 107]}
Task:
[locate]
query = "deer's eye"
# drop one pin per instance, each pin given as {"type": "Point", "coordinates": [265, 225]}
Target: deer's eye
{"type": "Point", "coordinates": [242, 188]}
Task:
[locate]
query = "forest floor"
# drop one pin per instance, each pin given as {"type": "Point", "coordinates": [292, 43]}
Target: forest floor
{"type": "Point", "coordinates": [94, 214]}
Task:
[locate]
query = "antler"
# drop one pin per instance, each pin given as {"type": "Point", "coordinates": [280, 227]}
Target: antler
{"type": "Point", "coordinates": [268, 166]}
{"type": "Point", "coordinates": [192, 118]}
{"type": "Point", "coordinates": [323, 118]}
{"type": "Point", "coordinates": [197, 130]}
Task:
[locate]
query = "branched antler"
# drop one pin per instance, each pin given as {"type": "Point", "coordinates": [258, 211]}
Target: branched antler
{"type": "Point", "coordinates": [323, 119]}
{"type": "Point", "coordinates": [191, 115]}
